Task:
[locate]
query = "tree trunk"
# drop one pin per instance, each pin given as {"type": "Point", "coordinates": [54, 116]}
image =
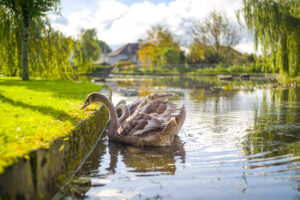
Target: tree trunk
{"type": "Point", "coordinates": [24, 38]}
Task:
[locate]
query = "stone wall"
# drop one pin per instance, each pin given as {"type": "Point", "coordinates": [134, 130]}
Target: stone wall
{"type": "Point", "coordinates": [47, 169]}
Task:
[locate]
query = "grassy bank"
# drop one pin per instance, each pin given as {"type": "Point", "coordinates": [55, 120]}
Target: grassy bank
{"type": "Point", "coordinates": [36, 112]}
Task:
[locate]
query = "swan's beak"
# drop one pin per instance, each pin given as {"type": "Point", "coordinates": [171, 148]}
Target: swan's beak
{"type": "Point", "coordinates": [84, 106]}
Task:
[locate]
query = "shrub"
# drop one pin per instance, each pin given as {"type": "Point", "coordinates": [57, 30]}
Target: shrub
{"type": "Point", "coordinates": [123, 63]}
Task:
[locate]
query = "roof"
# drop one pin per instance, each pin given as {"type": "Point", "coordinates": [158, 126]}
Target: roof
{"type": "Point", "coordinates": [128, 49]}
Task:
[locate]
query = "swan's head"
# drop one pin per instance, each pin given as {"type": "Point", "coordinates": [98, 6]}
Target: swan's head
{"type": "Point", "coordinates": [159, 96]}
{"type": "Point", "coordinates": [123, 101]}
{"type": "Point", "coordinates": [91, 98]}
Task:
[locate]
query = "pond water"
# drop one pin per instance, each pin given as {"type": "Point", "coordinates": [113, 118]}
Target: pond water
{"type": "Point", "coordinates": [238, 142]}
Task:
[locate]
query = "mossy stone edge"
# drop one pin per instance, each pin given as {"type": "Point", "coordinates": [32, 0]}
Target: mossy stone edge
{"type": "Point", "coordinates": [40, 176]}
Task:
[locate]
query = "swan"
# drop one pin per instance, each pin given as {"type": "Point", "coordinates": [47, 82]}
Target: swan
{"type": "Point", "coordinates": [153, 123]}
{"type": "Point", "coordinates": [137, 105]}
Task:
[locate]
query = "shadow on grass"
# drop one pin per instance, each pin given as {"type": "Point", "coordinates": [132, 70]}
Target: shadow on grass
{"type": "Point", "coordinates": [60, 89]}
{"type": "Point", "coordinates": [57, 114]}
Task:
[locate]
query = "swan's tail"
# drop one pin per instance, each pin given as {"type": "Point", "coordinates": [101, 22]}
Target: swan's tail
{"type": "Point", "coordinates": [170, 127]}
{"type": "Point", "coordinates": [180, 118]}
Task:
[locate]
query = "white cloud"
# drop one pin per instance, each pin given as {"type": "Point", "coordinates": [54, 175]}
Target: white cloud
{"type": "Point", "coordinates": [118, 23]}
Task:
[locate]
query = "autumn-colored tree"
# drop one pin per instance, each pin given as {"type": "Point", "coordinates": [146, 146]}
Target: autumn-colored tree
{"type": "Point", "coordinates": [196, 52]}
{"type": "Point", "coordinates": [159, 48]}
{"type": "Point", "coordinates": [147, 54]}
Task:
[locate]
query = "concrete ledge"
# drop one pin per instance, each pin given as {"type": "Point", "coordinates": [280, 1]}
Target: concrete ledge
{"type": "Point", "coordinates": [47, 169]}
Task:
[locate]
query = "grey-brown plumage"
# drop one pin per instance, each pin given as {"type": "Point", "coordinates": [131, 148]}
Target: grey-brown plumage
{"type": "Point", "coordinates": [152, 124]}
{"type": "Point", "coordinates": [160, 109]}
{"type": "Point", "coordinates": [140, 123]}
{"type": "Point", "coordinates": [142, 102]}
{"type": "Point", "coordinates": [133, 106]}
{"type": "Point", "coordinates": [152, 116]}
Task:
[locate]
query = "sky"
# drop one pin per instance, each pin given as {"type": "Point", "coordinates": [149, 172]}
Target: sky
{"type": "Point", "coordinates": [119, 21]}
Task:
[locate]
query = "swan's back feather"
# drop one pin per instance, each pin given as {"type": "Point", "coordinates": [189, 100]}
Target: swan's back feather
{"type": "Point", "coordinates": [133, 106]}
{"type": "Point", "coordinates": [140, 123]}
{"type": "Point", "coordinates": [159, 109]}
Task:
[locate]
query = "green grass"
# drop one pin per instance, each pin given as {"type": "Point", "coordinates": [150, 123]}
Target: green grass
{"type": "Point", "coordinates": [34, 113]}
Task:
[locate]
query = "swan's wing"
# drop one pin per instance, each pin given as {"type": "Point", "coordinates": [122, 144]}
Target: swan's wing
{"type": "Point", "coordinates": [133, 106]}
{"type": "Point", "coordinates": [140, 123]}
{"type": "Point", "coordinates": [154, 97]}
{"type": "Point", "coordinates": [160, 109]}
{"type": "Point", "coordinates": [159, 96]}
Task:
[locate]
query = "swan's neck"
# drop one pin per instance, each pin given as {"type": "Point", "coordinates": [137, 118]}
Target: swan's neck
{"type": "Point", "coordinates": [113, 124]}
{"type": "Point", "coordinates": [125, 113]}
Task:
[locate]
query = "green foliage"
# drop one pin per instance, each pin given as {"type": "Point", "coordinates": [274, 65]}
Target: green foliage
{"type": "Point", "coordinates": [86, 50]}
{"type": "Point", "coordinates": [215, 30]}
{"type": "Point", "coordinates": [213, 39]}
{"type": "Point", "coordinates": [200, 53]}
{"type": "Point", "coordinates": [123, 63]}
{"type": "Point", "coordinates": [36, 112]}
{"type": "Point", "coordinates": [170, 56]}
{"type": "Point", "coordinates": [49, 52]}
{"type": "Point", "coordinates": [276, 26]}
{"type": "Point", "coordinates": [22, 14]}
{"type": "Point", "coordinates": [103, 69]}
{"type": "Point", "coordinates": [10, 59]}
{"type": "Point", "coordinates": [127, 66]}
{"type": "Point", "coordinates": [160, 49]}
{"type": "Point", "coordinates": [196, 52]}
{"type": "Point", "coordinates": [89, 48]}
{"type": "Point", "coordinates": [103, 46]}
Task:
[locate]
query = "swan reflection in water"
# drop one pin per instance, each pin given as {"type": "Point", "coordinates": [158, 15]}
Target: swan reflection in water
{"type": "Point", "coordinates": [139, 161]}
{"type": "Point", "coordinates": [147, 159]}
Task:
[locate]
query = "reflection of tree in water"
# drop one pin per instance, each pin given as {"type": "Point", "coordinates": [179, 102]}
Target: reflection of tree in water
{"type": "Point", "coordinates": [126, 83]}
{"type": "Point", "coordinates": [185, 82]}
{"type": "Point", "coordinates": [147, 159]}
{"type": "Point", "coordinates": [144, 85]}
{"type": "Point", "coordinates": [276, 128]}
{"type": "Point", "coordinates": [90, 167]}
{"type": "Point", "coordinates": [199, 95]}
{"type": "Point", "coordinates": [275, 138]}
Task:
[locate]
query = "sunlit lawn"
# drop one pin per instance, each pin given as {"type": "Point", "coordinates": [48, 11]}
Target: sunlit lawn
{"type": "Point", "coordinates": [36, 112]}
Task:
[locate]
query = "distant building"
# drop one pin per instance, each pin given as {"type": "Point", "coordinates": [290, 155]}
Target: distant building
{"type": "Point", "coordinates": [126, 52]}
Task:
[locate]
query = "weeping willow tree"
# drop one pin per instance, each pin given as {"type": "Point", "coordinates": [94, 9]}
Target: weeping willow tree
{"type": "Point", "coordinates": [49, 51]}
{"type": "Point", "coordinates": [276, 27]}
{"type": "Point", "coordinates": [22, 14]}
{"type": "Point", "coordinates": [10, 61]}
